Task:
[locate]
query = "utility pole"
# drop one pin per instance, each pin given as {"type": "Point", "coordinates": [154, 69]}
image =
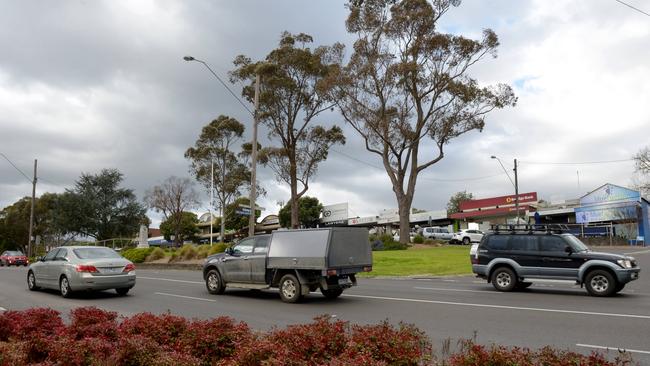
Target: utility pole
{"type": "Point", "coordinates": [212, 198]}
{"type": "Point", "coordinates": [251, 217]}
{"type": "Point", "coordinates": [31, 214]}
{"type": "Point", "coordinates": [516, 192]}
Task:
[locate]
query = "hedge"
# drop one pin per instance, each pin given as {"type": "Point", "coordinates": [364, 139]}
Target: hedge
{"type": "Point", "coordinates": [99, 337]}
{"type": "Point", "coordinates": [136, 255]}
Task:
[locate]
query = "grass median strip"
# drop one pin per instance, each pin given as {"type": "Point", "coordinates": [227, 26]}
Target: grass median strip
{"type": "Point", "coordinates": [434, 261]}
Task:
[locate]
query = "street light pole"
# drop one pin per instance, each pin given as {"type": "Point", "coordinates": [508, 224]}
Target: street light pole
{"type": "Point", "coordinates": [31, 213]}
{"type": "Point", "coordinates": [253, 193]}
{"type": "Point", "coordinates": [212, 199]}
{"type": "Point", "coordinates": [515, 183]}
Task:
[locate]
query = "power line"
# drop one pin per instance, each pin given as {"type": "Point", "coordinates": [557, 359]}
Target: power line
{"type": "Point", "coordinates": [632, 7]}
{"type": "Point", "coordinates": [15, 167]}
{"type": "Point", "coordinates": [576, 163]}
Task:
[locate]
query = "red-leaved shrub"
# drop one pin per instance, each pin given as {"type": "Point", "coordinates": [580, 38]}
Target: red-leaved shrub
{"type": "Point", "coordinates": [85, 351]}
{"type": "Point", "coordinates": [88, 322]}
{"type": "Point", "coordinates": [30, 323]}
{"type": "Point", "coordinates": [165, 329]}
{"type": "Point", "coordinates": [215, 339]}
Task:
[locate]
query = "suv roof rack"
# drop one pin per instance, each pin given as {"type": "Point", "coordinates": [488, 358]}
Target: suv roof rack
{"type": "Point", "coordinates": [529, 228]}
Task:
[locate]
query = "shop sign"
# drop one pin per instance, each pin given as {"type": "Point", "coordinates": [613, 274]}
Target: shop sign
{"type": "Point", "coordinates": [605, 213]}
{"type": "Point", "coordinates": [335, 213]}
{"type": "Point", "coordinates": [609, 193]}
{"type": "Point", "coordinates": [498, 201]}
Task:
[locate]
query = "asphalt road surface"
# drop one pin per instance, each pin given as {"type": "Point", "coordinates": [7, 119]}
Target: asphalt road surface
{"type": "Point", "coordinates": [548, 313]}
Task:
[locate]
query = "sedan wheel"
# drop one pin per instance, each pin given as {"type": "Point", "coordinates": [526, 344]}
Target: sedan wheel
{"type": "Point", "coordinates": [64, 287]}
{"type": "Point", "coordinates": [31, 281]}
{"type": "Point", "coordinates": [466, 241]}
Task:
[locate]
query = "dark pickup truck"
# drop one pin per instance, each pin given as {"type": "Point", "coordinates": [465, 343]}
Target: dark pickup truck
{"type": "Point", "coordinates": [295, 261]}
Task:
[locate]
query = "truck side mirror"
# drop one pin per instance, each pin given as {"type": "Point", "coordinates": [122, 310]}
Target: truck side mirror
{"type": "Point", "coordinates": [229, 251]}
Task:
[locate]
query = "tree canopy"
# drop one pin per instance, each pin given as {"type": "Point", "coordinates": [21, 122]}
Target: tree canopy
{"type": "Point", "coordinates": [407, 90]}
{"type": "Point", "coordinates": [293, 92]}
{"type": "Point", "coordinates": [455, 200]}
{"type": "Point", "coordinates": [173, 197]}
{"type": "Point", "coordinates": [182, 225]}
{"type": "Point", "coordinates": [309, 209]}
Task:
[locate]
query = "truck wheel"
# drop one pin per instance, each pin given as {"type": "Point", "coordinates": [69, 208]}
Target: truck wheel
{"type": "Point", "coordinates": [600, 283]}
{"type": "Point", "coordinates": [214, 283]}
{"type": "Point", "coordinates": [504, 279]}
{"type": "Point", "coordinates": [332, 293]}
{"type": "Point", "coordinates": [290, 288]}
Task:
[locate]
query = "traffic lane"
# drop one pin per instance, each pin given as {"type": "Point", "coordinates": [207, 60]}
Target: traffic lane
{"type": "Point", "coordinates": [441, 319]}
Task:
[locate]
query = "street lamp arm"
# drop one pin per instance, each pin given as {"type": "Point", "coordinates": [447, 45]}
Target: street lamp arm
{"type": "Point", "coordinates": [504, 170]}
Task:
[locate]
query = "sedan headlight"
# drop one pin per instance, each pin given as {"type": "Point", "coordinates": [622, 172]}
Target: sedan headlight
{"type": "Point", "coordinates": [625, 263]}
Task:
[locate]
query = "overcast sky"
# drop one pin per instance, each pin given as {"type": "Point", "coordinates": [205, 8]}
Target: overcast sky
{"type": "Point", "coordinates": [86, 85]}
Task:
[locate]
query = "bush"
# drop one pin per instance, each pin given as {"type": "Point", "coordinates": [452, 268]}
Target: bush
{"type": "Point", "coordinates": [429, 241]}
{"type": "Point", "coordinates": [394, 245]}
{"type": "Point", "coordinates": [173, 257]}
{"type": "Point", "coordinates": [419, 239]}
{"type": "Point", "coordinates": [202, 250]}
{"type": "Point", "coordinates": [156, 254]}
{"type": "Point", "coordinates": [187, 252]}
{"type": "Point", "coordinates": [136, 255]}
{"type": "Point", "coordinates": [218, 248]}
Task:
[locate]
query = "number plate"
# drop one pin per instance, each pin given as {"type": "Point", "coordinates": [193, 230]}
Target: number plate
{"type": "Point", "coordinates": [344, 281]}
{"type": "Point", "coordinates": [112, 270]}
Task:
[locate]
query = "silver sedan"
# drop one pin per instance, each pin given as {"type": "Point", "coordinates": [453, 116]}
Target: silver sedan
{"type": "Point", "coordinates": [70, 269]}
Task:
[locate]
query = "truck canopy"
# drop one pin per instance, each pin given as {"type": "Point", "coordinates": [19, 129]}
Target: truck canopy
{"type": "Point", "coordinates": [337, 247]}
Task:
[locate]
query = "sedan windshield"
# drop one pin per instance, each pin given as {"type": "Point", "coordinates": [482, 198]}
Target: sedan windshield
{"type": "Point", "coordinates": [95, 253]}
{"type": "Point", "coordinates": [15, 254]}
{"type": "Point", "coordinates": [576, 244]}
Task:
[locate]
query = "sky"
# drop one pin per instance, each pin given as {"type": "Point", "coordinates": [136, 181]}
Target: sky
{"type": "Point", "coordinates": [87, 85]}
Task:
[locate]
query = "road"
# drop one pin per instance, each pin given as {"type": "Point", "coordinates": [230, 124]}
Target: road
{"type": "Point", "coordinates": [549, 313]}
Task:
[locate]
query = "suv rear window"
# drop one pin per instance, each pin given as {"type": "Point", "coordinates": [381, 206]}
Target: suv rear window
{"type": "Point", "coordinates": [498, 242]}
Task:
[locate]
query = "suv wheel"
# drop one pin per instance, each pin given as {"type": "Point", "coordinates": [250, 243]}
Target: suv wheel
{"type": "Point", "coordinates": [600, 283]}
{"type": "Point", "coordinates": [504, 279]}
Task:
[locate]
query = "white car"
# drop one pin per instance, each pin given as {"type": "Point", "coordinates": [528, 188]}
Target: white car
{"type": "Point", "coordinates": [467, 236]}
{"type": "Point", "coordinates": [440, 233]}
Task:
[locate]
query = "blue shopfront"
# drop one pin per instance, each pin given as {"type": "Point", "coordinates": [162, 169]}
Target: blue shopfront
{"type": "Point", "coordinates": [625, 209]}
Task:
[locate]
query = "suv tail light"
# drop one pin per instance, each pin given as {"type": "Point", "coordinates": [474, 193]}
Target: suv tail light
{"type": "Point", "coordinates": [86, 268]}
{"type": "Point", "coordinates": [129, 267]}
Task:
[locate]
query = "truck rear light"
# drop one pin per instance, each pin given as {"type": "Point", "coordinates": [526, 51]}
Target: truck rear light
{"type": "Point", "coordinates": [86, 268]}
{"type": "Point", "coordinates": [331, 272]}
{"type": "Point", "coordinates": [367, 268]}
{"type": "Point", "coordinates": [129, 267]}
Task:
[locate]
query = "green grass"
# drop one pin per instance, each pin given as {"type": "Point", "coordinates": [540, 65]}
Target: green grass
{"type": "Point", "coordinates": [437, 261]}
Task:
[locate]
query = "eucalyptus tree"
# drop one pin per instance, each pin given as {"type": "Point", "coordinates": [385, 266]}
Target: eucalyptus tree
{"type": "Point", "coordinates": [293, 92]}
{"type": "Point", "coordinates": [406, 89]}
{"type": "Point", "coordinates": [216, 145]}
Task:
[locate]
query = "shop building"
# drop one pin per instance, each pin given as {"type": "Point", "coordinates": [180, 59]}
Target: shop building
{"type": "Point", "coordinates": [494, 210]}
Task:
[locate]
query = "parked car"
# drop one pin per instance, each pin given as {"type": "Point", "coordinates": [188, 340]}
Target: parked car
{"type": "Point", "coordinates": [411, 236]}
{"type": "Point", "coordinates": [13, 257]}
{"type": "Point", "coordinates": [80, 268]}
{"type": "Point", "coordinates": [467, 236]}
{"type": "Point", "coordinates": [295, 261]}
{"type": "Point", "coordinates": [509, 259]}
{"type": "Point", "coordinates": [440, 233]}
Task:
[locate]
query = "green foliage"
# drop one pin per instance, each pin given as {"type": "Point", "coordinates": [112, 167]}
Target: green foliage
{"type": "Point", "coordinates": [182, 226]}
{"type": "Point", "coordinates": [235, 221]}
{"type": "Point", "coordinates": [453, 205]}
{"type": "Point", "coordinates": [309, 209]}
{"type": "Point", "coordinates": [418, 239]}
{"type": "Point", "coordinates": [136, 255]}
{"type": "Point", "coordinates": [202, 250]}
{"type": "Point", "coordinates": [155, 255]}
{"type": "Point", "coordinates": [188, 251]}
{"type": "Point", "coordinates": [293, 93]}
{"type": "Point", "coordinates": [99, 208]}
{"type": "Point", "coordinates": [385, 242]}
{"type": "Point", "coordinates": [217, 248]}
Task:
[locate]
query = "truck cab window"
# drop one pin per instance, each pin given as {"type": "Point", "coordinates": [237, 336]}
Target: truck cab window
{"type": "Point", "coordinates": [244, 247]}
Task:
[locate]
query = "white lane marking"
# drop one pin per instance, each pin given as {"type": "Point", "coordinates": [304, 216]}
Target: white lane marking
{"type": "Point", "coordinates": [500, 306]}
{"type": "Point", "coordinates": [454, 289]}
{"type": "Point", "coordinates": [2, 309]}
{"type": "Point", "coordinates": [613, 348]}
{"type": "Point", "coordinates": [639, 252]}
{"type": "Point", "coordinates": [449, 280]}
{"type": "Point", "coordinates": [168, 279]}
{"type": "Point", "coordinates": [184, 297]}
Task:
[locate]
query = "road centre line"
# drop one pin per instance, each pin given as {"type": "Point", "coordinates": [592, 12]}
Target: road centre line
{"type": "Point", "coordinates": [639, 252]}
{"type": "Point", "coordinates": [184, 297]}
{"type": "Point", "coordinates": [169, 279]}
{"type": "Point", "coordinates": [612, 348]}
{"type": "Point", "coordinates": [453, 289]}
{"type": "Point", "coordinates": [634, 316]}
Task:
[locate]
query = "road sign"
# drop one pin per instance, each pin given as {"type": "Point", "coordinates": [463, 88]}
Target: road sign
{"type": "Point", "coordinates": [245, 211]}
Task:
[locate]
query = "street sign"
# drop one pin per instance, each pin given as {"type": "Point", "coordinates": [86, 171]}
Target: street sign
{"type": "Point", "coordinates": [245, 211]}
